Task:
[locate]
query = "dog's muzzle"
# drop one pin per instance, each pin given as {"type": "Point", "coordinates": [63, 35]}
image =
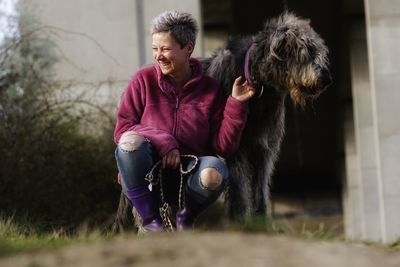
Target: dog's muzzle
{"type": "Point", "coordinates": [324, 80]}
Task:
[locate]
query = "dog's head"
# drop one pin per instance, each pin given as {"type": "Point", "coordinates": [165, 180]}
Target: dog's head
{"type": "Point", "coordinates": [293, 57]}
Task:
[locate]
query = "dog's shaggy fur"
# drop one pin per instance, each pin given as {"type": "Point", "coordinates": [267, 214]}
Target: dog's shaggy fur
{"type": "Point", "coordinates": [287, 58]}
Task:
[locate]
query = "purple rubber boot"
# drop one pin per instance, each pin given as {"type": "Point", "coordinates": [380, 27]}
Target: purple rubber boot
{"type": "Point", "coordinates": [185, 218]}
{"type": "Point", "coordinates": [146, 206]}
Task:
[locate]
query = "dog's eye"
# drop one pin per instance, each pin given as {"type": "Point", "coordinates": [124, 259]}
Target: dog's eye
{"type": "Point", "coordinates": [311, 50]}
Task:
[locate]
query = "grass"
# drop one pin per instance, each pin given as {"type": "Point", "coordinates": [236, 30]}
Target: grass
{"type": "Point", "coordinates": [21, 235]}
{"type": "Point", "coordinates": [395, 245]}
{"type": "Point", "coordinates": [257, 224]}
{"type": "Point", "coordinates": [322, 229]}
{"type": "Point", "coordinates": [307, 229]}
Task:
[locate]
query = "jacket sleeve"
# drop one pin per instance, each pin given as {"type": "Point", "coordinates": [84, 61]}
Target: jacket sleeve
{"type": "Point", "coordinates": [129, 116]}
{"type": "Point", "coordinates": [228, 125]}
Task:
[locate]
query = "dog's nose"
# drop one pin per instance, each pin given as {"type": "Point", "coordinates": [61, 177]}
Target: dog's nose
{"type": "Point", "coordinates": [325, 78]}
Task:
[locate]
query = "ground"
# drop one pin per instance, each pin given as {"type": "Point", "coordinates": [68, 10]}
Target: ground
{"type": "Point", "coordinates": [209, 249]}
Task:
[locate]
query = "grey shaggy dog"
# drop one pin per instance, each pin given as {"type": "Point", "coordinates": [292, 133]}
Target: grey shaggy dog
{"type": "Point", "coordinates": [286, 58]}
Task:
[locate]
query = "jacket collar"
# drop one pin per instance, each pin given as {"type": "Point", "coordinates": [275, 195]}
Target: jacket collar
{"type": "Point", "coordinates": [166, 85]}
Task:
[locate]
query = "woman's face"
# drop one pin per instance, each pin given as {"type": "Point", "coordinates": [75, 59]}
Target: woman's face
{"type": "Point", "coordinates": [169, 55]}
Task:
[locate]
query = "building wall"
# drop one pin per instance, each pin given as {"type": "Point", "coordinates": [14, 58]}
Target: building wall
{"type": "Point", "coordinates": [363, 197]}
{"type": "Point", "coordinates": [104, 42]}
{"type": "Point", "coordinates": [97, 38]}
{"type": "Point", "coordinates": [383, 39]}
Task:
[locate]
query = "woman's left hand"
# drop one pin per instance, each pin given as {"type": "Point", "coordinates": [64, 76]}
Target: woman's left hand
{"type": "Point", "coordinates": [171, 160]}
{"type": "Point", "coordinates": [242, 91]}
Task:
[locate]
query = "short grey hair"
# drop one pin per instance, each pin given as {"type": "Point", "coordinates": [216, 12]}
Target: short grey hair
{"type": "Point", "coordinates": [181, 25]}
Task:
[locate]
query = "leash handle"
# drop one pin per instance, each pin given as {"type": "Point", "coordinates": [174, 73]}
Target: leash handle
{"type": "Point", "coordinates": [165, 209]}
{"type": "Point", "coordinates": [150, 177]}
{"type": "Point", "coordinates": [186, 172]}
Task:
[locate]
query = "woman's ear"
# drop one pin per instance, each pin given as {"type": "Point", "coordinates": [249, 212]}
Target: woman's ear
{"type": "Point", "coordinates": [190, 48]}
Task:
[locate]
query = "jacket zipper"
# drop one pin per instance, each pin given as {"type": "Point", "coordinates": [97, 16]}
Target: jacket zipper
{"type": "Point", "coordinates": [176, 116]}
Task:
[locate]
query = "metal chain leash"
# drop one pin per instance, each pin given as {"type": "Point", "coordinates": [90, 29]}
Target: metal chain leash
{"type": "Point", "coordinates": [165, 208]}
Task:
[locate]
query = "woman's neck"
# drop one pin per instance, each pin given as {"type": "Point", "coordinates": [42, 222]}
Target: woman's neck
{"type": "Point", "coordinates": [180, 79]}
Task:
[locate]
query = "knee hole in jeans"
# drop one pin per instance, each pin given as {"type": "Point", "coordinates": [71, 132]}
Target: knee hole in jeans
{"type": "Point", "coordinates": [211, 178]}
{"type": "Point", "coordinates": [130, 141]}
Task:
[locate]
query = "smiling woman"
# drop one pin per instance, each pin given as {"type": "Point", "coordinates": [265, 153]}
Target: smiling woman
{"type": "Point", "coordinates": [173, 108]}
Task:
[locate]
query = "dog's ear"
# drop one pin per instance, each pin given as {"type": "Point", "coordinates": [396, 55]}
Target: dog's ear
{"type": "Point", "coordinates": [277, 46]}
{"type": "Point", "coordinates": [285, 32]}
{"type": "Point", "coordinates": [296, 46]}
{"type": "Point", "coordinates": [286, 44]}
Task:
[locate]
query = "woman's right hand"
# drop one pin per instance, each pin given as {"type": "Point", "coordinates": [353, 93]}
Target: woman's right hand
{"type": "Point", "coordinates": [242, 91]}
{"type": "Point", "coordinates": [172, 159]}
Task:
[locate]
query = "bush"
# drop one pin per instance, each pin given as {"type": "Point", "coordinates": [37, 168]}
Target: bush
{"type": "Point", "coordinates": [52, 168]}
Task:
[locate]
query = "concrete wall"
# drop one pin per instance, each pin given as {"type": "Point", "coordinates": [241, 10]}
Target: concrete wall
{"type": "Point", "coordinates": [383, 39]}
{"type": "Point", "coordinates": [97, 38]}
{"type": "Point", "coordinates": [363, 198]}
{"type": "Point", "coordinates": [104, 42]}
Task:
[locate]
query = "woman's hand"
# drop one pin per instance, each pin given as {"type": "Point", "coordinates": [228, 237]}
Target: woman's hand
{"type": "Point", "coordinates": [242, 91]}
{"type": "Point", "coordinates": [172, 159]}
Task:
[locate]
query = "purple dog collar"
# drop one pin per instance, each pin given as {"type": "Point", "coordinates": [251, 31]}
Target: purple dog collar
{"type": "Point", "coordinates": [247, 70]}
{"type": "Point", "coordinates": [246, 66]}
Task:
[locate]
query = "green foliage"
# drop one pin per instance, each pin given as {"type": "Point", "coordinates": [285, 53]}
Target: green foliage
{"type": "Point", "coordinates": [52, 167]}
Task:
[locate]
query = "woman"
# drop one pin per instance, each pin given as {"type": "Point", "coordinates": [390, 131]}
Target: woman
{"type": "Point", "coordinates": [172, 108]}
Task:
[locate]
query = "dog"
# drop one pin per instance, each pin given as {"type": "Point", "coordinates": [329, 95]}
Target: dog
{"type": "Point", "coordinates": [286, 58]}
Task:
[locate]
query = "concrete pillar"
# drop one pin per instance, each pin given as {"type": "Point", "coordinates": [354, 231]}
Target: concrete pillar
{"type": "Point", "coordinates": [383, 42]}
{"type": "Point", "coordinates": [363, 186]}
{"type": "Point", "coordinates": [352, 193]}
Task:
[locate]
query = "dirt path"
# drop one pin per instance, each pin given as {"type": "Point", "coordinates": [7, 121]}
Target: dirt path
{"type": "Point", "coordinates": [209, 249]}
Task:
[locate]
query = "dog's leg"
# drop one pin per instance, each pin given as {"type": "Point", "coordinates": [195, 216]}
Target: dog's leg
{"type": "Point", "coordinates": [262, 188]}
{"type": "Point", "coordinates": [238, 197]}
{"type": "Point", "coordinates": [258, 191]}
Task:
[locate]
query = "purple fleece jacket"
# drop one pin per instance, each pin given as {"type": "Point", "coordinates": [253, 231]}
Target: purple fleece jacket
{"type": "Point", "coordinates": [196, 120]}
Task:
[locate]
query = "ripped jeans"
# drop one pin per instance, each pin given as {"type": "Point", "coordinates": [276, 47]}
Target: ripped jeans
{"type": "Point", "coordinates": [134, 163]}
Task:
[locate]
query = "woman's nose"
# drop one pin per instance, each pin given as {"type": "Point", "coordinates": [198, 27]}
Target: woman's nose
{"type": "Point", "coordinates": [157, 54]}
